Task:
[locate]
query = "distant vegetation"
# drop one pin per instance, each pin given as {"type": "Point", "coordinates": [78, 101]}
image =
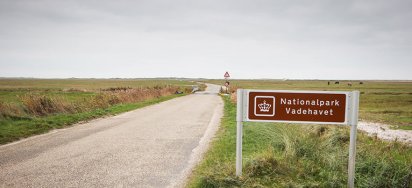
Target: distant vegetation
{"type": "Point", "coordinates": [32, 106]}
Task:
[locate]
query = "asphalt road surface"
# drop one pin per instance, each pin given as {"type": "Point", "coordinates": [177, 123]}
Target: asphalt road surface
{"type": "Point", "coordinates": [155, 146]}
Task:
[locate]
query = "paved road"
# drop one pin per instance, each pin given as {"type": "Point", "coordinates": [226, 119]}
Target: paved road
{"type": "Point", "coordinates": [155, 146]}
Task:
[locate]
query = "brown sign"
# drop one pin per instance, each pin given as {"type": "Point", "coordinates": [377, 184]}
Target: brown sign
{"type": "Point", "coordinates": [297, 106]}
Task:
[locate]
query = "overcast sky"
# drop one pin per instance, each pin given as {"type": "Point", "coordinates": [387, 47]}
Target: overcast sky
{"type": "Point", "coordinates": [320, 39]}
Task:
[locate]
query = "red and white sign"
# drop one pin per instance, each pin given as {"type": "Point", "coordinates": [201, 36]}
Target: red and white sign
{"type": "Point", "coordinates": [226, 75]}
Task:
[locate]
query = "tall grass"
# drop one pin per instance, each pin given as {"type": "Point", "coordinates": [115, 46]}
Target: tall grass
{"type": "Point", "coordinates": [38, 112]}
{"type": "Point", "coordinates": [42, 105]}
{"type": "Point", "coordinates": [288, 155]}
{"type": "Point", "coordinates": [10, 110]}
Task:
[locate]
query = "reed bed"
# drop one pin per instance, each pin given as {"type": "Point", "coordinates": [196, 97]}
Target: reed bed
{"type": "Point", "coordinates": [34, 104]}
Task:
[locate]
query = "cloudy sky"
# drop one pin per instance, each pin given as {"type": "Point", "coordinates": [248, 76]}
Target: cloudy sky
{"type": "Point", "coordinates": [321, 39]}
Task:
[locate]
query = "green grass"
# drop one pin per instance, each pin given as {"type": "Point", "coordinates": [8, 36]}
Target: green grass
{"type": "Point", "coordinates": [14, 129]}
{"type": "Point", "coordinates": [289, 155]}
{"type": "Point", "coordinates": [14, 95]}
{"type": "Point", "coordinates": [380, 101]}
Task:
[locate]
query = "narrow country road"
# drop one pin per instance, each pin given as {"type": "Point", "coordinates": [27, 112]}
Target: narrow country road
{"type": "Point", "coordinates": [155, 146]}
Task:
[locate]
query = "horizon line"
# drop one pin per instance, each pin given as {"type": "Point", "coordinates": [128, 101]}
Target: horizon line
{"type": "Point", "coordinates": [200, 78]}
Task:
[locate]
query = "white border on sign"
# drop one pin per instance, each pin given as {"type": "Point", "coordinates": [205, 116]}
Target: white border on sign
{"type": "Point", "coordinates": [273, 105]}
{"type": "Point", "coordinates": [246, 103]}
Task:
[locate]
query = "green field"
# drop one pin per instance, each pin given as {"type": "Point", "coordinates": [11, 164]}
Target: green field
{"type": "Point", "coordinates": [380, 101]}
{"type": "Point", "coordinates": [34, 106]}
{"type": "Point", "coordinates": [303, 155]}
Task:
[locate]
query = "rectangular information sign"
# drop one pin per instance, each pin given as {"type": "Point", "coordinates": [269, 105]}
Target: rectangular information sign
{"type": "Point", "coordinates": [297, 106]}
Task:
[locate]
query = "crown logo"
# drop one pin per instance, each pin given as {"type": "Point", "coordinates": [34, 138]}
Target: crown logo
{"type": "Point", "coordinates": [264, 107]}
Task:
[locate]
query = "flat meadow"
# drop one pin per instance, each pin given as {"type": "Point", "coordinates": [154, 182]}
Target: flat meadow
{"type": "Point", "coordinates": [309, 155]}
{"type": "Point", "coordinates": [388, 102]}
{"type": "Point", "coordinates": [34, 106]}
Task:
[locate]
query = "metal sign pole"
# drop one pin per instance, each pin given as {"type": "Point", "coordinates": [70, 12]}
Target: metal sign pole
{"type": "Point", "coordinates": [352, 143]}
{"type": "Point", "coordinates": [239, 132]}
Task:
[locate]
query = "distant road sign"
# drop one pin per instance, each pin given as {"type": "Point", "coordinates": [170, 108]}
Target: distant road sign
{"type": "Point", "coordinates": [297, 106]}
{"type": "Point", "coordinates": [226, 75]}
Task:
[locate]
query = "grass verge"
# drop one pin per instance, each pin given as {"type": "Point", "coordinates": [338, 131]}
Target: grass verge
{"type": "Point", "coordinates": [280, 155]}
{"type": "Point", "coordinates": [12, 129]}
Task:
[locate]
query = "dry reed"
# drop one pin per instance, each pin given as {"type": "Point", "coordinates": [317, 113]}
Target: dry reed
{"type": "Point", "coordinates": [43, 105]}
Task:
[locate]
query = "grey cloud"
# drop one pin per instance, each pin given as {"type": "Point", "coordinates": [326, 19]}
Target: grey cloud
{"type": "Point", "coordinates": [295, 35]}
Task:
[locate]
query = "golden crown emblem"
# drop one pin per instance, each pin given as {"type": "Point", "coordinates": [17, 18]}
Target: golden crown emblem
{"type": "Point", "coordinates": [264, 107]}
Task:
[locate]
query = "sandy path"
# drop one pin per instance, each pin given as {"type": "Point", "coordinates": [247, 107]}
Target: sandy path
{"type": "Point", "coordinates": [384, 132]}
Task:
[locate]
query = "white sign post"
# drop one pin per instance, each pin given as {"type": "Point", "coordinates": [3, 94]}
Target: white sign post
{"type": "Point", "coordinates": [239, 131]}
{"type": "Point", "coordinates": [318, 107]}
{"type": "Point", "coordinates": [352, 143]}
